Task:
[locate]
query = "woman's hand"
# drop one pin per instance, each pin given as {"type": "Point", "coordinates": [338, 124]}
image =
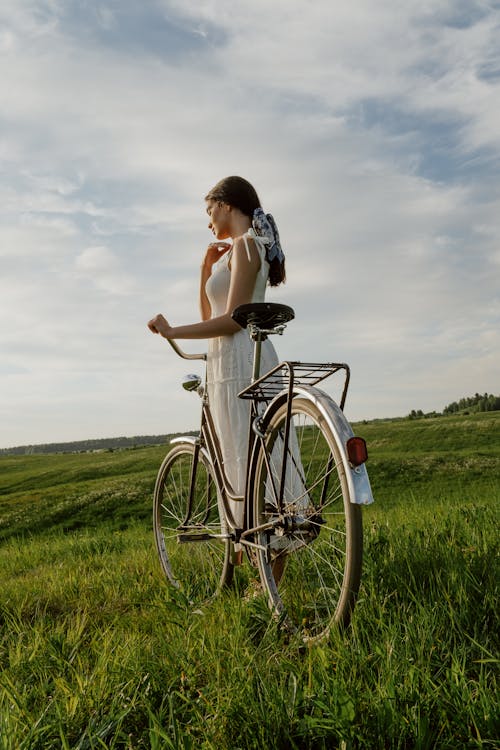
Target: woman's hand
{"type": "Point", "coordinates": [160, 325]}
{"type": "Point", "coordinates": [215, 251]}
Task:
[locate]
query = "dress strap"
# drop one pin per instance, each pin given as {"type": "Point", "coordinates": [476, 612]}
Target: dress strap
{"type": "Point", "coordinates": [261, 243]}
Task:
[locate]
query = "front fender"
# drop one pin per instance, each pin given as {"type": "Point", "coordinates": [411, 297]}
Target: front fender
{"type": "Point", "coordinates": [192, 439]}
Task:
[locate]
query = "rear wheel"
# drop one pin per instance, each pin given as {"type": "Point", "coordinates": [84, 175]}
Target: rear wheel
{"type": "Point", "coordinates": [191, 536]}
{"type": "Point", "coordinates": [310, 553]}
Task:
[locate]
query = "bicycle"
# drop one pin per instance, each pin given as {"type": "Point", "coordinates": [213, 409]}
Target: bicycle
{"type": "Point", "coordinates": [305, 482]}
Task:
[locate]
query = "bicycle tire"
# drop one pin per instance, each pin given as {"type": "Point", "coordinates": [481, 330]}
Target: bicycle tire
{"type": "Point", "coordinates": [310, 560]}
{"type": "Point", "coordinates": [194, 548]}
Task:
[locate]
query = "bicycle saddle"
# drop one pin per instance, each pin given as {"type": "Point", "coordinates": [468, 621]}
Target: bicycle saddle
{"type": "Point", "coordinates": [263, 315]}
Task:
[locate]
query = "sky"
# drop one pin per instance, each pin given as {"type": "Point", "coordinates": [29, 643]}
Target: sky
{"type": "Point", "coordinates": [371, 131]}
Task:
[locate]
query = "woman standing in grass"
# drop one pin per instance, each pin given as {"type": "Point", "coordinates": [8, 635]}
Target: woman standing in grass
{"type": "Point", "coordinates": [232, 274]}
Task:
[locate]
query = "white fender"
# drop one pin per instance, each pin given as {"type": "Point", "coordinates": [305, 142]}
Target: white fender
{"type": "Point", "coordinates": [357, 476]}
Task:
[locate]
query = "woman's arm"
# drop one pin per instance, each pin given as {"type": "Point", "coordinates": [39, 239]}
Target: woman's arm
{"type": "Point", "coordinates": [243, 275]}
{"type": "Point", "coordinates": [205, 307]}
{"type": "Point", "coordinates": [214, 251]}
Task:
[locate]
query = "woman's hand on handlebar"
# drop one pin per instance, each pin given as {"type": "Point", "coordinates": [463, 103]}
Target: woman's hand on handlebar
{"type": "Point", "coordinates": [160, 325]}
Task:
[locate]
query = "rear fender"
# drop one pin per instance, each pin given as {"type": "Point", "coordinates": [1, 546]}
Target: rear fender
{"type": "Point", "coordinates": [357, 476]}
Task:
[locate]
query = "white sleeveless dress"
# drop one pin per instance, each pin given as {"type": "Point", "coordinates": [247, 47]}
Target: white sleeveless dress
{"type": "Point", "coordinates": [229, 370]}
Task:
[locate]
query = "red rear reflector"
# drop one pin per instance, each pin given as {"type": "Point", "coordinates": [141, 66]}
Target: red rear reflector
{"type": "Point", "coordinates": [357, 451]}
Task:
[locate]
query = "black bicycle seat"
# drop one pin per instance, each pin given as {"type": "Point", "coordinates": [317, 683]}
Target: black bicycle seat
{"type": "Point", "coordinates": [263, 315]}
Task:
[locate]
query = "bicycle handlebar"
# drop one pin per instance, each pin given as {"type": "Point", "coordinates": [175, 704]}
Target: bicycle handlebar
{"type": "Point", "coordinates": [175, 346]}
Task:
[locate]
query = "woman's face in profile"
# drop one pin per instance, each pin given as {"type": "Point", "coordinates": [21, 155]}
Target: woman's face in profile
{"type": "Point", "coordinates": [219, 219]}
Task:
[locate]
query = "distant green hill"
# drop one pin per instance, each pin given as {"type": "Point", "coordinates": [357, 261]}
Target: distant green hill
{"type": "Point", "coordinates": [71, 490]}
{"type": "Point", "coordinates": [485, 402]}
{"type": "Point", "coordinates": [84, 446]}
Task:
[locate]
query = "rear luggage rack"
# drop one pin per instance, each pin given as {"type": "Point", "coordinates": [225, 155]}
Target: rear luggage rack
{"type": "Point", "coordinates": [290, 374]}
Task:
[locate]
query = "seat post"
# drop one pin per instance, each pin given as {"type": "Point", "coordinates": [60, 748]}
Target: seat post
{"type": "Point", "coordinates": [256, 356]}
{"type": "Point", "coordinates": [262, 318]}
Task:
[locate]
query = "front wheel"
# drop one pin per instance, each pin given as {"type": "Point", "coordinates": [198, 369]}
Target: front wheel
{"type": "Point", "coordinates": [310, 542]}
{"type": "Point", "coordinates": [191, 534]}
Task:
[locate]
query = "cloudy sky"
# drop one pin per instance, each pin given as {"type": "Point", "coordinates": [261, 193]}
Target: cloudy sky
{"type": "Point", "coordinates": [371, 130]}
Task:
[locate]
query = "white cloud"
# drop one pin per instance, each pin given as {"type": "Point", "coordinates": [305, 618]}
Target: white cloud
{"type": "Point", "coordinates": [371, 133]}
{"type": "Point", "coordinates": [102, 267]}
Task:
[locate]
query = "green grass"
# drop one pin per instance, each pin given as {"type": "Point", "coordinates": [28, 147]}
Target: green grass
{"type": "Point", "coordinates": [97, 652]}
{"type": "Point", "coordinates": [71, 491]}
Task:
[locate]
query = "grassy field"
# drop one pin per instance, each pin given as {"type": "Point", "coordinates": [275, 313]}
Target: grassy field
{"type": "Point", "coordinates": [97, 652]}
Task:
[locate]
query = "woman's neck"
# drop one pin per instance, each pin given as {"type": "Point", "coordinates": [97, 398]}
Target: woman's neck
{"type": "Point", "coordinates": [240, 223]}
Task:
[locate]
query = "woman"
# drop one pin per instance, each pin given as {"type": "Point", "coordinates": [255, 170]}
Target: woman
{"type": "Point", "coordinates": [232, 275]}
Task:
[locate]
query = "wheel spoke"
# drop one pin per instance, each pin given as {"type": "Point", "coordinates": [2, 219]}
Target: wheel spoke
{"type": "Point", "coordinates": [318, 530]}
{"type": "Point", "coordinates": [200, 566]}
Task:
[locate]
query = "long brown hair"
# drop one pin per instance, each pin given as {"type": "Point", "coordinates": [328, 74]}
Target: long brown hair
{"type": "Point", "coordinates": [239, 193]}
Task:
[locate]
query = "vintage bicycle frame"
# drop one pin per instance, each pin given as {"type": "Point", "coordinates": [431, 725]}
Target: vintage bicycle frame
{"type": "Point", "coordinates": [209, 441]}
{"type": "Point", "coordinates": [278, 383]}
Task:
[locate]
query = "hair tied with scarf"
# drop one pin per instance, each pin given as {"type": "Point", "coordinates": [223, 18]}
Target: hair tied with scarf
{"type": "Point", "coordinates": [265, 227]}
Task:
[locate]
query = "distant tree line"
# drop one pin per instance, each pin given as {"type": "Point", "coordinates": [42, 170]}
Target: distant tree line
{"type": "Point", "coordinates": [87, 446]}
{"type": "Point", "coordinates": [484, 402]}
{"type": "Point", "coordinates": [470, 405]}
{"type": "Point", "coordinates": [476, 403]}
{"type": "Point", "coordinates": [419, 414]}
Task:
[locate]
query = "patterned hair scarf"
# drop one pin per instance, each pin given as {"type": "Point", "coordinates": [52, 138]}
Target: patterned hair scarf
{"type": "Point", "coordinates": [265, 228]}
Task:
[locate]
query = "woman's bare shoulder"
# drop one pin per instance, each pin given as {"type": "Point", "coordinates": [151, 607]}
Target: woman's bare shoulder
{"type": "Point", "coordinates": [245, 247]}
